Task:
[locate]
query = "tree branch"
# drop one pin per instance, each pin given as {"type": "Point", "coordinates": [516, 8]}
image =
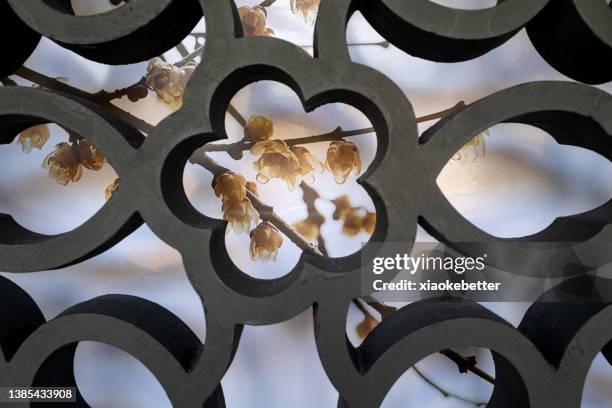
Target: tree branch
{"type": "Point", "coordinates": [189, 57]}
{"type": "Point", "coordinates": [334, 135]}
{"type": "Point", "coordinates": [104, 95]}
{"type": "Point", "coordinates": [465, 364]}
{"type": "Point", "coordinates": [55, 85]}
{"type": "Point", "coordinates": [236, 115]}
{"type": "Point", "coordinates": [309, 196]}
{"type": "Point", "coordinates": [266, 212]}
{"type": "Point", "coordinates": [266, 3]}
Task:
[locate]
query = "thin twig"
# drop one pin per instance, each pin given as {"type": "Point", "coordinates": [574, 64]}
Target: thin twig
{"type": "Point", "coordinates": [384, 44]}
{"type": "Point", "coordinates": [121, 92]}
{"type": "Point", "coordinates": [180, 47]}
{"type": "Point", "coordinates": [266, 3]}
{"type": "Point", "coordinates": [236, 115]}
{"type": "Point", "coordinates": [445, 393]}
{"type": "Point", "coordinates": [189, 57]}
{"type": "Point", "coordinates": [465, 364]}
{"type": "Point", "coordinates": [55, 85]}
{"type": "Point", "coordinates": [309, 196]}
{"type": "Point", "coordinates": [441, 114]}
{"type": "Point", "coordinates": [266, 212]}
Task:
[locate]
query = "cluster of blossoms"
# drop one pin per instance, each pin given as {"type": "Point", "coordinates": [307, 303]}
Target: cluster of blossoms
{"type": "Point", "coordinates": [239, 212]}
{"type": "Point", "coordinates": [473, 150]}
{"type": "Point", "coordinates": [294, 164]}
{"type": "Point", "coordinates": [290, 164]}
{"type": "Point", "coordinates": [306, 8]}
{"type": "Point", "coordinates": [253, 21]}
{"type": "Point", "coordinates": [354, 219]}
{"type": "Point", "coordinates": [168, 81]}
{"type": "Point", "coordinates": [66, 162]}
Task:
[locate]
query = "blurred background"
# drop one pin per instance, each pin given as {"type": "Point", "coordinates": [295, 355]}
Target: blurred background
{"type": "Point", "coordinates": [515, 181]}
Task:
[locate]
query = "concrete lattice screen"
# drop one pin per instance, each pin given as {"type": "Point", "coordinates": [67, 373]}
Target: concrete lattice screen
{"type": "Point", "coordinates": [541, 363]}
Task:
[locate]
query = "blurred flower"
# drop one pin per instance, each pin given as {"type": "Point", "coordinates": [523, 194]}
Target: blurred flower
{"type": "Point", "coordinates": [343, 206]}
{"type": "Point", "coordinates": [307, 8]}
{"type": "Point", "coordinates": [265, 242]}
{"type": "Point", "coordinates": [354, 219]}
{"type": "Point", "coordinates": [368, 224]}
{"type": "Point", "coordinates": [34, 137]}
{"type": "Point", "coordinates": [366, 326]}
{"type": "Point", "coordinates": [357, 220]}
{"type": "Point", "coordinates": [342, 159]}
{"type": "Point", "coordinates": [308, 228]}
{"type": "Point", "coordinates": [89, 156]}
{"type": "Point", "coordinates": [253, 21]}
{"type": "Point", "coordinates": [276, 161]}
{"type": "Point", "coordinates": [167, 80]}
{"type": "Point", "coordinates": [473, 150]}
{"type": "Point", "coordinates": [111, 188]}
{"type": "Point", "coordinates": [63, 164]}
{"type": "Point", "coordinates": [258, 128]}
{"type": "Point", "coordinates": [352, 222]}
{"type": "Point", "coordinates": [308, 163]}
{"type": "Point", "coordinates": [240, 214]}
{"type": "Point", "coordinates": [230, 186]}
{"type": "Point", "coordinates": [252, 187]}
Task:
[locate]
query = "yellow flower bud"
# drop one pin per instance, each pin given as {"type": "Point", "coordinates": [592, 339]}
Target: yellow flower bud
{"type": "Point", "coordinates": [258, 128]}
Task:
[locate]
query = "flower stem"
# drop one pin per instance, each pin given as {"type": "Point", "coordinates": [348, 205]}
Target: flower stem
{"type": "Point", "coordinates": [266, 212]}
